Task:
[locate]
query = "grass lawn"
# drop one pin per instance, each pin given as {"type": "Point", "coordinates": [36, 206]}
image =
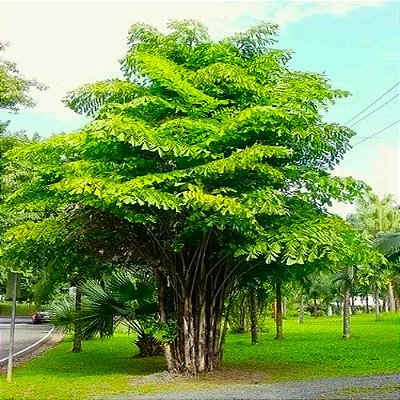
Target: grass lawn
{"type": "Point", "coordinates": [312, 350]}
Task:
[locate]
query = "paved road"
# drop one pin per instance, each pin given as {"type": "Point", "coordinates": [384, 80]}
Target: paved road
{"type": "Point", "coordinates": [25, 335]}
{"type": "Point", "coordinates": [376, 387]}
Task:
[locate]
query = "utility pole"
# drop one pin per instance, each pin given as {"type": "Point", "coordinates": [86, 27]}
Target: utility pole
{"type": "Point", "coordinates": [12, 326]}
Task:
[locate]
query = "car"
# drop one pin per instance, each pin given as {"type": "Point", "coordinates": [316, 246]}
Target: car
{"type": "Point", "coordinates": [39, 317]}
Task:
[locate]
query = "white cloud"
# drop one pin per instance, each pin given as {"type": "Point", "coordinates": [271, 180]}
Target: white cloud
{"type": "Point", "coordinates": [67, 44]}
{"type": "Point", "coordinates": [297, 10]}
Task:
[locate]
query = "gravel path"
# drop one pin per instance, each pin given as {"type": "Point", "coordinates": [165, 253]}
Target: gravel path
{"type": "Point", "coordinates": [376, 387]}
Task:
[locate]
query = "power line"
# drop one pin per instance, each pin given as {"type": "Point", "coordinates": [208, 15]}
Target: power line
{"type": "Point", "coordinates": [375, 101]}
{"type": "Point", "coordinates": [377, 133]}
{"type": "Point", "coordinates": [373, 111]}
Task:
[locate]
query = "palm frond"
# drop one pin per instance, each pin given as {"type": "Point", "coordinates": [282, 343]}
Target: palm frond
{"type": "Point", "coordinates": [388, 243]}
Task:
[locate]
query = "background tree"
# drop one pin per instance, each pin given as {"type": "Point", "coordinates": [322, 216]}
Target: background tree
{"type": "Point", "coordinates": [389, 245]}
{"type": "Point", "coordinates": [47, 250]}
{"type": "Point", "coordinates": [213, 159]}
{"type": "Point", "coordinates": [14, 94]}
{"type": "Point", "coordinates": [375, 218]}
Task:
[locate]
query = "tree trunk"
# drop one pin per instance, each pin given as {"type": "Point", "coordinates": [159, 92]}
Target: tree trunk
{"type": "Point", "coordinates": [162, 285]}
{"type": "Point", "coordinates": [242, 318]}
{"type": "Point", "coordinates": [315, 307]}
{"type": "Point", "coordinates": [77, 346]}
{"type": "Point", "coordinates": [278, 314]}
{"type": "Point", "coordinates": [346, 312]}
{"type": "Point", "coordinates": [301, 314]}
{"type": "Point", "coordinates": [391, 301]}
{"type": "Point", "coordinates": [376, 300]}
{"type": "Point", "coordinates": [253, 316]}
{"type": "Point", "coordinates": [385, 304]}
{"type": "Point", "coordinates": [191, 295]}
{"type": "Point", "coordinates": [367, 303]}
{"type": "Point", "coordinates": [284, 308]}
{"type": "Point", "coordinates": [353, 306]}
{"type": "Point", "coordinates": [225, 328]}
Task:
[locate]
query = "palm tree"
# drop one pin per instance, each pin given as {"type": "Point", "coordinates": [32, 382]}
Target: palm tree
{"type": "Point", "coordinates": [389, 245]}
{"type": "Point", "coordinates": [121, 299]}
{"type": "Point", "coordinates": [378, 220]}
{"type": "Point", "coordinates": [375, 216]}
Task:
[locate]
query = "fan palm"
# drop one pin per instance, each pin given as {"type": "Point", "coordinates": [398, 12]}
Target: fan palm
{"type": "Point", "coordinates": [389, 244]}
{"type": "Point", "coordinates": [121, 299]}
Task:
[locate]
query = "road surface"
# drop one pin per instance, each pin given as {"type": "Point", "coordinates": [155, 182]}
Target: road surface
{"type": "Point", "coordinates": [26, 334]}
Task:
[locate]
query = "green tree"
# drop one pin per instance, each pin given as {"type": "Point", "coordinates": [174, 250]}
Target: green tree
{"type": "Point", "coordinates": [14, 94]}
{"type": "Point", "coordinates": [212, 158]}
{"type": "Point", "coordinates": [378, 220]}
{"type": "Point", "coordinates": [51, 252]}
{"type": "Point", "coordinates": [376, 216]}
{"type": "Point", "coordinates": [389, 245]}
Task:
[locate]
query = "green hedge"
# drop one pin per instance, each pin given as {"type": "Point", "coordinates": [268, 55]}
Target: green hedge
{"type": "Point", "coordinates": [24, 309]}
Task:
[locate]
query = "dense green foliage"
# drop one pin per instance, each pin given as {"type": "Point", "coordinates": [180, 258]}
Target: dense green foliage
{"type": "Point", "coordinates": [14, 94]}
{"type": "Point", "coordinates": [223, 133]}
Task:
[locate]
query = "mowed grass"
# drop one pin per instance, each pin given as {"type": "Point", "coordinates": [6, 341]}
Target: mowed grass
{"type": "Point", "coordinates": [316, 349]}
{"type": "Point", "coordinates": [312, 350]}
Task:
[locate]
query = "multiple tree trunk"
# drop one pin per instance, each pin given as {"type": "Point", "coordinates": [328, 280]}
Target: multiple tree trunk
{"type": "Point", "coordinates": [191, 300]}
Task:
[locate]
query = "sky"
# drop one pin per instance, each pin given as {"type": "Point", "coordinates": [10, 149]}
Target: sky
{"type": "Point", "coordinates": [355, 43]}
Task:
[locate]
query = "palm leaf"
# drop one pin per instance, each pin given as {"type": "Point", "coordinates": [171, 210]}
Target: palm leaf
{"type": "Point", "coordinates": [388, 243]}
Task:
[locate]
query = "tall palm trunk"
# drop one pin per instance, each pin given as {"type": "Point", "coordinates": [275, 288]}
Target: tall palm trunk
{"type": "Point", "coordinates": [391, 301]}
{"type": "Point", "coordinates": [278, 313]}
{"type": "Point", "coordinates": [353, 305]}
{"type": "Point", "coordinates": [315, 307]}
{"type": "Point", "coordinates": [301, 314]}
{"type": "Point", "coordinates": [242, 318]}
{"type": "Point", "coordinates": [376, 300]}
{"type": "Point", "coordinates": [77, 346]}
{"type": "Point", "coordinates": [346, 311]}
{"type": "Point", "coordinates": [253, 316]}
